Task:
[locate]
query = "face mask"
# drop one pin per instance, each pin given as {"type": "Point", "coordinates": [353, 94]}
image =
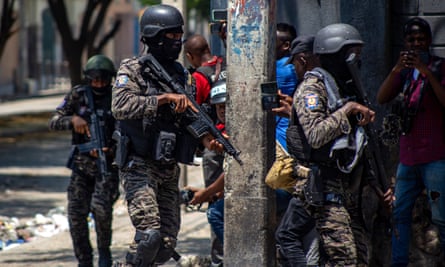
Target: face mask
{"type": "Point", "coordinates": [101, 90]}
{"type": "Point", "coordinates": [172, 48]}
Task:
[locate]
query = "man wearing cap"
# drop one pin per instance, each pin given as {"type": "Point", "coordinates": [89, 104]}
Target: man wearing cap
{"type": "Point", "coordinates": [419, 77]}
{"type": "Point", "coordinates": [302, 59]}
{"type": "Point", "coordinates": [296, 235]}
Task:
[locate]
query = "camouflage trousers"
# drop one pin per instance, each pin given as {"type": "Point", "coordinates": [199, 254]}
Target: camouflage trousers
{"type": "Point", "coordinates": [339, 221]}
{"type": "Point", "coordinates": [152, 195]}
{"type": "Point", "coordinates": [343, 240]}
{"type": "Point", "coordinates": [86, 193]}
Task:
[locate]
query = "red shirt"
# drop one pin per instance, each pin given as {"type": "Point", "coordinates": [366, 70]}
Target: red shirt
{"type": "Point", "coordinates": [426, 140]}
{"type": "Point", "coordinates": [202, 83]}
{"type": "Point", "coordinates": [202, 87]}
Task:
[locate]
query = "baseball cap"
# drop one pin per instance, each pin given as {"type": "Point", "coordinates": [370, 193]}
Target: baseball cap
{"type": "Point", "coordinates": [218, 92]}
{"type": "Point", "coordinates": [302, 43]}
{"type": "Point", "coordinates": [417, 24]}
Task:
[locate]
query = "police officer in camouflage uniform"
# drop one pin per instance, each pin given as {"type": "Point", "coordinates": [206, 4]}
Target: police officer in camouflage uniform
{"type": "Point", "coordinates": [155, 121]}
{"type": "Point", "coordinates": [88, 191]}
{"type": "Point", "coordinates": [325, 115]}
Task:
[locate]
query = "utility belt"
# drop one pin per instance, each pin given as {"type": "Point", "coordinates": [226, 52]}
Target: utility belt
{"type": "Point", "coordinates": [313, 190]}
{"type": "Point", "coordinates": [165, 147]}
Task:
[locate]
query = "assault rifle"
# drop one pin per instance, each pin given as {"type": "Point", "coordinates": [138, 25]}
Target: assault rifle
{"type": "Point", "coordinates": [159, 72]}
{"type": "Point", "coordinates": [373, 155]}
{"type": "Point", "coordinates": [97, 140]}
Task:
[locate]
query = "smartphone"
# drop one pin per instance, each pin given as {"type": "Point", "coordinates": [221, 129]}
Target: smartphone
{"type": "Point", "coordinates": [219, 15]}
{"type": "Point", "coordinates": [269, 95]}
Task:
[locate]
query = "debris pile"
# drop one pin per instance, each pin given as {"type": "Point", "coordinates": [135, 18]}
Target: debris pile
{"type": "Point", "coordinates": [13, 232]}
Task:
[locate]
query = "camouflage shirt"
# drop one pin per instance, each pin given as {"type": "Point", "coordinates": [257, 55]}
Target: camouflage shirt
{"type": "Point", "coordinates": [130, 93]}
{"type": "Point", "coordinates": [319, 124]}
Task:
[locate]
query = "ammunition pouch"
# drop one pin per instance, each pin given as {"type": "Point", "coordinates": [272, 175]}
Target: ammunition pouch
{"type": "Point", "coordinates": [164, 147]}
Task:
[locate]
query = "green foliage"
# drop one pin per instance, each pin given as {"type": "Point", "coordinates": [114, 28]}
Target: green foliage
{"type": "Point", "coordinates": [150, 2]}
{"type": "Point", "coordinates": [202, 6]}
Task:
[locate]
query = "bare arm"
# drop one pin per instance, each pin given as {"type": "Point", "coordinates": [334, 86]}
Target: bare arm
{"type": "Point", "coordinates": [206, 194]}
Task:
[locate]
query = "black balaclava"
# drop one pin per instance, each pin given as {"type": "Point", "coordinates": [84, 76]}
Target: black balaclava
{"type": "Point", "coordinates": [164, 49]}
{"type": "Point", "coordinates": [336, 65]}
{"type": "Point", "coordinates": [104, 76]}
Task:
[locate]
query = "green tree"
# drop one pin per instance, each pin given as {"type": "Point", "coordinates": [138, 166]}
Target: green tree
{"type": "Point", "coordinates": [88, 39]}
{"type": "Point", "coordinates": [8, 18]}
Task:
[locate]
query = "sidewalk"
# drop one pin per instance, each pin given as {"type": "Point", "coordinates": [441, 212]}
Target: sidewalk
{"type": "Point", "coordinates": [33, 105]}
{"type": "Point", "coordinates": [193, 239]}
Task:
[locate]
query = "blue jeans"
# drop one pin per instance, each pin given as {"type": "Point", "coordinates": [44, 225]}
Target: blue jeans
{"type": "Point", "coordinates": [215, 212]}
{"type": "Point", "coordinates": [282, 198]}
{"type": "Point", "coordinates": [410, 182]}
{"type": "Point", "coordinates": [215, 217]}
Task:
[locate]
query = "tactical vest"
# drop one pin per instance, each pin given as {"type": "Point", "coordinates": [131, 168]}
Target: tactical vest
{"type": "Point", "coordinates": [297, 143]}
{"type": "Point", "coordinates": [164, 137]}
{"type": "Point", "coordinates": [102, 106]}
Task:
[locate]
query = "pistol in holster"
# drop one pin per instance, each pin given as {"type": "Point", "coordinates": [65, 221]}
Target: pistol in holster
{"type": "Point", "coordinates": [313, 188]}
{"type": "Point", "coordinates": [122, 147]}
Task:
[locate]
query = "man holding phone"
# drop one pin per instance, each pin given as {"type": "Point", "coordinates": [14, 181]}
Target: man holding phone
{"type": "Point", "coordinates": [420, 78]}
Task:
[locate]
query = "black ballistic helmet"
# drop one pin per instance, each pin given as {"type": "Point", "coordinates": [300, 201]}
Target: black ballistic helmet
{"type": "Point", "coordinates": [158, 18]}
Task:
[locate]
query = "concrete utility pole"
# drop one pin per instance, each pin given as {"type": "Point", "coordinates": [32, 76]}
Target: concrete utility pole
{"type": "Point", "coordinates": [249, 203]}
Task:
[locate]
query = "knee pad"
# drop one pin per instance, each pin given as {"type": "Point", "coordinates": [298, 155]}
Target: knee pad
{"type": "Point", "coordinates": [149, 242]}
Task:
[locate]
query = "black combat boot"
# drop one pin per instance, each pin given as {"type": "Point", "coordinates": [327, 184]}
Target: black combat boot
{"type": "Point", "coordinates": [105, 257]}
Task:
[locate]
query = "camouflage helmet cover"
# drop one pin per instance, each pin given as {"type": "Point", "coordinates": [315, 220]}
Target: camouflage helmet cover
{"type": "Point", "coordinates": [100, 63]}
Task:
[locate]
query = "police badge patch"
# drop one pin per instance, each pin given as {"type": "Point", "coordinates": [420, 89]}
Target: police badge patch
{"type": "Point", "coordinates": [121, 80]}
{"type": "Point", "coordinates": [311, 101]}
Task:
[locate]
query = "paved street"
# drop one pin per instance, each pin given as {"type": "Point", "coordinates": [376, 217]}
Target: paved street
{"type": "Point", "coordinates": [33, 180]}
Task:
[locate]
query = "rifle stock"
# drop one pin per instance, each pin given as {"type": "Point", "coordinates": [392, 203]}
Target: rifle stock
{"type": "Point", "coordinates": [372, 151]}
{"type": "Point", "coordinates": [162, 75]}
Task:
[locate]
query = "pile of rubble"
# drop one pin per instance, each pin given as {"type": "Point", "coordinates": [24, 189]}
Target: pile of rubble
{"type": "Point", "coordinates": [14, 232]}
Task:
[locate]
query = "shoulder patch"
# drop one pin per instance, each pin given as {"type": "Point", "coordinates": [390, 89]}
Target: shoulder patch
{"type": "Point", "coordinates": [121, 80]}
{"type": "Point", "coordinates": [61, 105]}
{"type": "Point", "coordinates": [311, 101]}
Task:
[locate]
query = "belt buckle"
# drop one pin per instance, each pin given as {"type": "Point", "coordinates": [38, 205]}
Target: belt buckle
{"type": "Point", "coordinates": [334, 198]}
